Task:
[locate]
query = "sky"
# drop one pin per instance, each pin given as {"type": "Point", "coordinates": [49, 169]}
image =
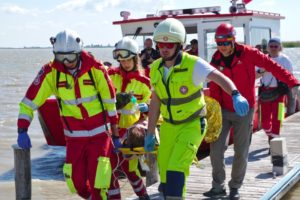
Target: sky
{"type": "Point", "coordinates": [32, 22]}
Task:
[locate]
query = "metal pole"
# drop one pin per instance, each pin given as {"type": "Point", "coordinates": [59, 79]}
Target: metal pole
{"type": "Point", "coordinates": [284, 185]}
{"type": "Point", "coordinates": [22, 172]}
{"type": "Point", "coordinates": [152, 175]}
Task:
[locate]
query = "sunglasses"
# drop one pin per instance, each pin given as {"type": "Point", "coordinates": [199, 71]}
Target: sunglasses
{"type": "Point", "coordinates": [121, 54]}
{"type": "Point", "coordinates": [273, 46]}
{"type": "Point", "coordinates": [168, 45]}
{"type": "Point", "coordinates": [223, 43]}
{"type": "Point", "coordinates": [69, 57]}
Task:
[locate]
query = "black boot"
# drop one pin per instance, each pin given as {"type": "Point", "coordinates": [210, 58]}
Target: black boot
{"type": "Point", "coordinates": [215, 193]}
{"type": "Point", "coordinates": [234, 194]}
{"type": "Point", "coordinates": [144, 197]}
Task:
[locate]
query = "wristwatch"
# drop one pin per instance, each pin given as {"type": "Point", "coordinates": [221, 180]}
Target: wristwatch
{"type": "Point", "coordinates": [235, 92]}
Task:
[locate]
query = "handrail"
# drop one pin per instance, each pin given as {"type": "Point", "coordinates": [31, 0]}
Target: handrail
{"type": "Point", "coordinates": [263, 13]}
{"type": "Point", "coordinates": [284, 185]}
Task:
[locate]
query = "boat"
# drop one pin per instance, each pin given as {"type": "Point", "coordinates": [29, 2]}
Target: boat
{"type": "Point", "coordinates": [252, 27]}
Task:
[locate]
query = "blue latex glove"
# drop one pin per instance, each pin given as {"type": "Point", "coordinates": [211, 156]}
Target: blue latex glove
{"type": "Point", "coordinates": [143, 107]}
{"type": "Point", "coordinates": [149, 142]}
{"type": "Point", "coordinates": [117, 143]}
{"type": "Point", "coordinates": [24, 140]}
{"type": "Point", "coordinates": [240, 105]}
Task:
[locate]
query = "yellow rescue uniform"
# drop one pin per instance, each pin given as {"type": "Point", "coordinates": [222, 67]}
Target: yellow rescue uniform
{"type": "Point", "coordinates": [184, 125]}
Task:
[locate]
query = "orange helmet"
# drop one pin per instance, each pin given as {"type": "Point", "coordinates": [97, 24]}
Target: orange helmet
{"type": "Point", "coordinates": [225, 32]}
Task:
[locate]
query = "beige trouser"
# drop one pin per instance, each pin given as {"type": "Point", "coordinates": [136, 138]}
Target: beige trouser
{"type": "Point", "coordinates": [242, 134]}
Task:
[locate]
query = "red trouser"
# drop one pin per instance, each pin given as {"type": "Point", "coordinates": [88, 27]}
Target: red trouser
{"type": "Point", "coordinates": [118, 162]}
{"type": "Point", "coordinates": [270, 120]}
{"type": "Point", "coordinates": [83, 154]}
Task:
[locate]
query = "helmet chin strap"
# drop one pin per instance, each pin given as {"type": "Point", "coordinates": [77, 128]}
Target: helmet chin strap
{"type": "Point", "coordinates": [233, 47]}
{"type": "Point", "coordinates": [178, 48]}
{"type": "Point", "coordinates": [76, 68]}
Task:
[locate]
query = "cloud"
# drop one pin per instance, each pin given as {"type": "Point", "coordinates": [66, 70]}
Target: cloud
{"type": "Point", "coordinates": [15, 9]}
{"type": "Point", "coordinates": [72, 5]}
{"type": "Point", "coordinates": [144, 7]}
{"type": "Point", "coordinates": [100, 5]}
{"type": "Point", "coordinates": [106, 4]}
{"type": "Point", "coordinates": [268, 3]}
{"type": "Point", "coordinates": [92, 5]}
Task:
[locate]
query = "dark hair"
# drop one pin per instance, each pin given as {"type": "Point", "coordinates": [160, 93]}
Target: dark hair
{"type": "Point", "coordinates": [194, 41]}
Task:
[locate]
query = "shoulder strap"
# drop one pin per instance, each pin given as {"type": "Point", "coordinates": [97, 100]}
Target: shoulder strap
{"type": "Point", "coordinates": [59, 101]}
{"type": "Point", "coordinates": [99, 97]}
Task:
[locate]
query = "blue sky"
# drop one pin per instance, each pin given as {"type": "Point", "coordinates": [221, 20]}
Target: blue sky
{"type": "Point", "coordinates": [33, 22]}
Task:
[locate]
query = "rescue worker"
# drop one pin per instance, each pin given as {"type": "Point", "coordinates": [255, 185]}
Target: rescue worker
{"type": "Point", "coordinates": [177, 79]}
{"type": "Point", "coordinates": [272, 112]}
{"type": "Point", "coordinates": [86, 99]}
{"type": "Point", "coordinates": [237, 62]}
{"type": "Point", "coordinates": [129, 79]}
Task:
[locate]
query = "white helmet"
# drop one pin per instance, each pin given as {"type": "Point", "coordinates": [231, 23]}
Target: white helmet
{"type": "Point", "coordinates": [125, 49]}
{"type": "Point", "coordinates": [170, 30]}
{"type": "Point", "coordinates": [66, 41]}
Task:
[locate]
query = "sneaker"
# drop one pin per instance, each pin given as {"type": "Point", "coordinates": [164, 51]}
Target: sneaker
{"type": "Point", "coordinates": [215, 193]}
{"type": "Point", "coordinates": [160, 188]}
{"type": "Point", "coordinates": [144, 197]}
{"type": "Point", "coordinates": [234, 194]}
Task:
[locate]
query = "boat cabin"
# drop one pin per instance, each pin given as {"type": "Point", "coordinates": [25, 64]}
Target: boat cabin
{"type": "Point", "coordinates": [252, 27]}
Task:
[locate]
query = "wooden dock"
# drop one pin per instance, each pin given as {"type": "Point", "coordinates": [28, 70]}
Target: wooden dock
{"type": "Point", "coordinates": [259, 177]}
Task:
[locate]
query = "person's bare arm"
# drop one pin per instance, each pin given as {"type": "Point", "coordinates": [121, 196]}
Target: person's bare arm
{"type": "Point", "coordinates": [154, 111]}
{"type": "Point", "coordinates": [259, 73]}
{"type": "Point", "coordinates": [114, 130]}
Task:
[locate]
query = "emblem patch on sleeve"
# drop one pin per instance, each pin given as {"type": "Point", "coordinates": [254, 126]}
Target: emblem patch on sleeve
{"type": "Point", "coordinates": [37, 79]}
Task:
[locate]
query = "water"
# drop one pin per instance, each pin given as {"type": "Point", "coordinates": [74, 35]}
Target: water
{"type": "Point", "coordinates": [294, 193]}
{"type": "Point", "coordinates": [18, 67]}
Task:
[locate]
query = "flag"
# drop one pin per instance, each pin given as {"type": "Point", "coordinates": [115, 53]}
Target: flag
{"type": "Point", "coordinates": [247, 1]}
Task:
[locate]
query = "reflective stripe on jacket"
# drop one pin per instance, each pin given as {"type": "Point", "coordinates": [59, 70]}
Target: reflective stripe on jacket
{"type": "Point", "coordinates": [130, 82]}
{"type": "Point", "coordinates": [80, 105]}
{"type": "Point", "coordinates": [181, 100]}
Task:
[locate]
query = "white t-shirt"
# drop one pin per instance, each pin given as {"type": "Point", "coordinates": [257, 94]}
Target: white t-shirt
{"type": "Point", "coordinates": [201, 70]}
{"type": "Point", "coordinates": [268, 80]}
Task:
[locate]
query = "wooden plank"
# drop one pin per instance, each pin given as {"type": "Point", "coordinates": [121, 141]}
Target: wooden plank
{"type": "Point", "coordinates": [259, 178]}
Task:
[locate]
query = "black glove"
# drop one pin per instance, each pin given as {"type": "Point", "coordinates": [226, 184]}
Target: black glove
{"type": "Point", "coordinates": [122, 100]}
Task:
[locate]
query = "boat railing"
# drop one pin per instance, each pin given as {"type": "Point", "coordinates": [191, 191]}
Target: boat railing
{"type": "Point", "coordinates": [263, 13]}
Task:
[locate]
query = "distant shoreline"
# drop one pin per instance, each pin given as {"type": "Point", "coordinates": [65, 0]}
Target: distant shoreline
{"type": "Point", "coordinates": [286, 44]}
{"type": "Point", "coordinates": [95, 47]}
{"type": "Point", "coordinates": [291, 44]}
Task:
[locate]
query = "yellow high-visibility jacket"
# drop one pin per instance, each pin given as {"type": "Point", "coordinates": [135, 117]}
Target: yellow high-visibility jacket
{"type": "Point", "coordinates": [130, 82]}
{"type": "Point", "coordinates": [181, 100]}
{"type": "Point", "coordinates": [80, 106]}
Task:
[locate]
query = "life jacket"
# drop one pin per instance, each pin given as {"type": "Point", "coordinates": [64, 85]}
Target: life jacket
{"type": "Point", "coordinates": [181, 100]}
{"type": "Point", "coordinates": [130, 82]}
